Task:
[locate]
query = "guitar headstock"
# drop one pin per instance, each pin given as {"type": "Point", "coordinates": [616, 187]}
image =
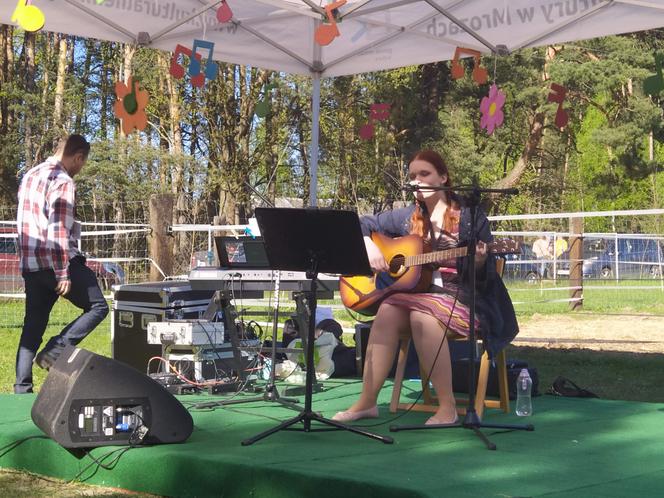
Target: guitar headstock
{"type": "Point", "coordinates": [505, 246]}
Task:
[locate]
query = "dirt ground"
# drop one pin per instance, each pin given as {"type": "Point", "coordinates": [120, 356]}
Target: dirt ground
{"type": "Point", "coordinates": [631, 333]}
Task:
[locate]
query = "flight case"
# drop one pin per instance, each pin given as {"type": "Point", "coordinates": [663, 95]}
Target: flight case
{"type": "Point", "coordinates": [136, 305]}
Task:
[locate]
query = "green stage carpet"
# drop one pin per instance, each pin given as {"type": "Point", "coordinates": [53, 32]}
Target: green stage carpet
{"type": "Point", "coordinates": [580, 447]}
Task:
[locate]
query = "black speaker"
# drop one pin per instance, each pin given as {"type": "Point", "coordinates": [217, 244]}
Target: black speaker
{"type": "Point", "coordinates": [88, 400]}
{"type": "Point", "coordinates": [362, 331]}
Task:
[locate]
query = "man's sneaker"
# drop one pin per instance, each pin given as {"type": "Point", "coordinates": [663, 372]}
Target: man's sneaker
{"type": "Point", "coordinates": [44, 359]}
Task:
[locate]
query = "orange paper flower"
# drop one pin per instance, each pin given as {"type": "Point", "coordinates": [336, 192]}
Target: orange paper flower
{"type": "Point", "coordinates": [130, 106]}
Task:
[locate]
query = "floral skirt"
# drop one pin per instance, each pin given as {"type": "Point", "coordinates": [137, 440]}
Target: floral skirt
{"type": "Point", "coordinates": [450, 312]}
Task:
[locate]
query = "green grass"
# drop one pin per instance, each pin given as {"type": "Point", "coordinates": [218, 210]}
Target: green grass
{"type": "Point", "coordinates": [609, 374]}
{"type": "Point", "coordinates": [20, 484]}
{"type": "Point", "coordinates": [11, 322]}
{"type": "Point", "coordinates": [612, 375]}
{"type": "Point", "coordinates": [598, 297]}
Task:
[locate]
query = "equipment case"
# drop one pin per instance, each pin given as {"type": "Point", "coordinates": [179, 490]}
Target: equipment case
{"type": "Point", "coordinates": [136, 305]}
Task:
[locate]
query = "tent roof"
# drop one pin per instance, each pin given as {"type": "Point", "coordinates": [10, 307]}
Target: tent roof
{"type": "Point", "coordinates": [374, 34]}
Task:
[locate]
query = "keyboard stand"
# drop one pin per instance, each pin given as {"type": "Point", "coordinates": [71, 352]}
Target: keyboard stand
{"type": "Point", "coordinates": [221, 301]}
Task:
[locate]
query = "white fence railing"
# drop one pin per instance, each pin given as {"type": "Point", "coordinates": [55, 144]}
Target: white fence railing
{"type": "Point", "coordinates": [104, 234]}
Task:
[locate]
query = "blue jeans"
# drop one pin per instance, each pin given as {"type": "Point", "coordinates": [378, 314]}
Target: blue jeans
{"type": "Point", "coordinates": [40, 296]}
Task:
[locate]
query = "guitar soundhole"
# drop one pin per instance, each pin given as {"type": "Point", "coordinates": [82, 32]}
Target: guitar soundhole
{"type": "Point", "coordinates": [396, 265]}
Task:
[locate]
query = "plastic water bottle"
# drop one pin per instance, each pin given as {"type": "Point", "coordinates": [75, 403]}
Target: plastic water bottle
{"type": "Point", "coordinates": [524, 385]}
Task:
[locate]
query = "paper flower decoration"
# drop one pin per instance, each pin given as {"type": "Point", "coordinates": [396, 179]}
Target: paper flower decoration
{"type": "Point", "coordinates": [492, 109]}
{"type": "Point", "coordinates": [377, 112]}
{"type": "Point", "coordinates": [130, 106]}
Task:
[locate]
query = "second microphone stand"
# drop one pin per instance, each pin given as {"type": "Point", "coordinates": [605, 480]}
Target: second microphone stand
{"type": "Point", "coordinates": [471, 420]}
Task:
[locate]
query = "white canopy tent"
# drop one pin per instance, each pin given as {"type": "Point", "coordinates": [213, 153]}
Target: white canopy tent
{"type": "Point", "coordinates": [374, 34]}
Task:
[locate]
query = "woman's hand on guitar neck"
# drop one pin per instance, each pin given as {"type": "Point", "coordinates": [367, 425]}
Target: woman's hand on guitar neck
{"type": "Point", "coordinates": [376, 258]}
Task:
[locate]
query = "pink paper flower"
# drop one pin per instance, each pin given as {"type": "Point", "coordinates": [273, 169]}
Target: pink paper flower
{"type": "Point", "coordinates": [492, 109]}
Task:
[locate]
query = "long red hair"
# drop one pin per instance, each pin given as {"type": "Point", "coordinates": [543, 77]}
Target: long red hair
{"type": "Point", "coordinates": [420, 224]}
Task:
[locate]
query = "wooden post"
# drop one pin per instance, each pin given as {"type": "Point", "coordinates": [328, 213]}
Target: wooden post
{"type": "Point", "coordinates": [160, 242]}
{"type": "Point", "coordinates": [217, 220]}
{"type": "Point", "coordinates": [576, 263]}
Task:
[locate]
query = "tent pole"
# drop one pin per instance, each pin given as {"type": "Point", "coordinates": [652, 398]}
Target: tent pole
{"type": "Point", "coordinates": [315, 126]}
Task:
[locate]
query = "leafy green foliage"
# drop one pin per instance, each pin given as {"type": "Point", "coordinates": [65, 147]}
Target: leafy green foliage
{"type": "Point", "coordinates": [208, 145]}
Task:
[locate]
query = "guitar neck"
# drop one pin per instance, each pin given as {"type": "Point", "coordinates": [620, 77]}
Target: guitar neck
{"type": "Point", "coordinates": [500, 246]}
{"type": "Point", "coordinates": [432, 257]}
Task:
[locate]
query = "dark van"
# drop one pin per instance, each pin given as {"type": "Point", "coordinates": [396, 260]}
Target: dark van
{"type": "Point", "coordinates": [626, 258]}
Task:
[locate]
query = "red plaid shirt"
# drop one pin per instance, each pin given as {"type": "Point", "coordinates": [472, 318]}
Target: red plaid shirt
{"type": "Point", "coordinates": [47, 234]}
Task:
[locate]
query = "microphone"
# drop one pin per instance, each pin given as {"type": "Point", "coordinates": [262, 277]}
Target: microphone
{"type": "Point", "coordinates": [410, 187]}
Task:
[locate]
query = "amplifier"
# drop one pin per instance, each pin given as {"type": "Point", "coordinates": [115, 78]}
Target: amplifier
{"type": "Point", "coordinates": [186, 332]}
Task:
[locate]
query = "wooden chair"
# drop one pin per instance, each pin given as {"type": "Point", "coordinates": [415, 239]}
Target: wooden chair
{"type": "Point", "coordinates": [429, 403]}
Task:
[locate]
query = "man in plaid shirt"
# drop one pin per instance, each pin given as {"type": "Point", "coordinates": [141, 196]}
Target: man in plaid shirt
{"type": "Point", "coordinates": [51, 263]}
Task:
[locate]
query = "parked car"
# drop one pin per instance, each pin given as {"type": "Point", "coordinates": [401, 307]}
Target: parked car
{"type": "Point", "coordinates": [626, 258]}
{"type": "Point", "coordinates": [593, 247]}
{"type": "Point", "coordinates": [107, 273]}
{"type": "Point", "coordinates": [523, 266]}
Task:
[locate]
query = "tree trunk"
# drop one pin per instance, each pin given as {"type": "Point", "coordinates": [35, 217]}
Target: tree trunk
{"type": "Point", "coordinates": [230, 103]}
{"type": "Point", "coordinates": [4, 42]}
{"type": "Point", "coordinates": [119, 239]}
{"type": "Point", "coordinates": [177, 172]}
{"type": "Point", "coordinates": [426, 128]}
{"type": "Point", "coordinates": [47, 59]}
{"type": "Point", "coordinates": [30, 88]}
{"type": "Point", "coordinates": [81, 112]}
{"type": "Point", "coordinates": [530, 150]}
{"type": "Point", "coordinates": [60, 82]}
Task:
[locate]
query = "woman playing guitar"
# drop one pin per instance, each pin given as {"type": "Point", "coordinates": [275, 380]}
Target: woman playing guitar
{"type": "Point", "coordinates": [444, 223]}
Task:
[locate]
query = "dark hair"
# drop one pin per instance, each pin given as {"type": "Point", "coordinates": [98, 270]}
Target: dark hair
{"type": "Point", "coordinates": [72, 145]}
{"type": "Point", "coordinates": [418, 223]}
{"type": "Point", "coordinates": [435, 160]}
{"type": "Point", "coordinates": [330, 325]}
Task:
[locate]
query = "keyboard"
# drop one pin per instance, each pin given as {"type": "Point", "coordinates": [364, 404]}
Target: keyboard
{"type": "Point", "coordinates": [249, 281]}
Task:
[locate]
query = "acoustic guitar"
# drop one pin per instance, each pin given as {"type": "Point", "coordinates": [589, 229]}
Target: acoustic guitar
{"type": "Point", "coordinates": [406, 257]}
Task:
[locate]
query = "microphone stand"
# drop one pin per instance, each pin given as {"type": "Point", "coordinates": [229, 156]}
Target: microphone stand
{"type": "Point", "coordinates": [471, 420]}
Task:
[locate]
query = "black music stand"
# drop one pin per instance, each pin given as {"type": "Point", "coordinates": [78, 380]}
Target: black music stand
{"type": "Point", "coordinates": [310, 240]}
{"type": "Point", "coordinates": [471, 421]}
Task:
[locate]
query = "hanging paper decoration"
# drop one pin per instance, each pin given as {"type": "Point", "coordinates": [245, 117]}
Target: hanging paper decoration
{"type": "Point", "coordinates": [224, 12]}
{"type": "Point", "coordinates": [377, 112]}
{"type": "Point", "coordinates": [557, 95]}
{"type": "Point", "coordinates": [480, 74]}
{"type": "Point", "coordinates": [198, 77]}
{"type": "Point", "coordinates": [211, 68]}
{"type": "Point", "coordinates": [130, 106]}
{"type": "Point", "coordinates": [492, 109]}
{"type": "Point", "coordinates": [263, 106]}
{"type": "Point", "coordinates": [176, 69]}
{"type": "Point", "coordinates": [653, 85]}
{"type": "Point", "coordinates": [28, 17]}
{"type": "Point", "coordinates": [325, 33]}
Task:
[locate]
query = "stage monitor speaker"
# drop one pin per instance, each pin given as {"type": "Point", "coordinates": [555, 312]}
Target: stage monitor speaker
{"type": "Point", "coordinates": [88, 400]}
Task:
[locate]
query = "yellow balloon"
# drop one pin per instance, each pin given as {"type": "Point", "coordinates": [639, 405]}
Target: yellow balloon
{"type": "Point", "coordinates": [29, 17]}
